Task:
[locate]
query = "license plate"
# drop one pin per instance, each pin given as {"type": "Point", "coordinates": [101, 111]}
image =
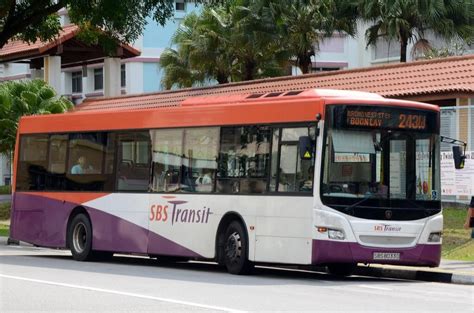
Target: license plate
{"type": "Point", "coordinates": [386, 256]}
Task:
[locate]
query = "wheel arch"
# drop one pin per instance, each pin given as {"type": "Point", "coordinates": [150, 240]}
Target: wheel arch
{"type": "Point", "coordinates": [76, 211]}
{"type": "Point", "coordinates": [228, 218]}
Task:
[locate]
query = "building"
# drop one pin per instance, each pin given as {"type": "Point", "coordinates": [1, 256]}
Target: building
{"type": "Point", "coordinates": [139, 72]}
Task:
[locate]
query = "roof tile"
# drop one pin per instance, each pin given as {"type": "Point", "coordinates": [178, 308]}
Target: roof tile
{"type": "Point", "coordinates": [447, 75]}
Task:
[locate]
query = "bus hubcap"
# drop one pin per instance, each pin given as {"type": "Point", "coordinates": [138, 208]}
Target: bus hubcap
{"type": "Point", "coordinates": [233, 248]}
{"type": "Point", "coordinates": [79, 237]}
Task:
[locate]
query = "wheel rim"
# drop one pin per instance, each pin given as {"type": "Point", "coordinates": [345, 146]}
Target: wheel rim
{"type": "Point", "coordinates": [233, 247]}
{"type": "Point", "coordinates": [79, 237]}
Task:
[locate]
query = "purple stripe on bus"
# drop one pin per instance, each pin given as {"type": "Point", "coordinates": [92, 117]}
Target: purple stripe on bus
{"type": "Point", "coordinates": [350, 252]}
{"type": "Point", "coordinates": [43, 221]}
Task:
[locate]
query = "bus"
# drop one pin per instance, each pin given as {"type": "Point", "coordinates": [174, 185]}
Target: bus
{"type": "Point", "coordinates": [315, 177]}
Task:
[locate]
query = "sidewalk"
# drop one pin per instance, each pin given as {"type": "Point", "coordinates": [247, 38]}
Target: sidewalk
{"type": "Point", "coordinates": [449, 271]}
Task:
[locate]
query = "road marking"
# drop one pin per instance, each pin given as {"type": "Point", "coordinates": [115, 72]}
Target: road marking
{"type": "Point", "coordinates": [128, 294]}
{"type": "Point", "coordinates": [374, 287]}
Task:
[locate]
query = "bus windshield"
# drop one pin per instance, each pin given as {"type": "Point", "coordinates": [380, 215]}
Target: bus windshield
{"type": "Point", "coordinates": [372, 158]}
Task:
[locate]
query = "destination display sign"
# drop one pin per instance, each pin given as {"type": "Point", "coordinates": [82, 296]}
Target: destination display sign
{"type": "Point", "coordinates": [384, 117]}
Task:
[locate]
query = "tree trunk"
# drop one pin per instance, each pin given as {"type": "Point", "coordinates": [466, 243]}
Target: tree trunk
{"type": "Point", "coordinates": [249, 70]}
{"type": "Point", "coordinates": [403, 49]}
{"type": "Point", "coordinates": [305, 62]}
{"type": "Point", "coordinates": [222, 78]}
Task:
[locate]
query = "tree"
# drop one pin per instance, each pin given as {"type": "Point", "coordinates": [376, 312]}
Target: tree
{"type": "Point", "coordinates": [303, 24]}
{"type": "Point", "coordinates": [235, 41]}
{"type": "Point", "coordinates": [411, 20]}
{"type": "Point", "coordinates": [122, 21]}
{"type": "Point", "coordinates": [19, 98]}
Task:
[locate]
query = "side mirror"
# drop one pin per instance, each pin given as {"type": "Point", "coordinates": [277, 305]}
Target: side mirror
{"type": "Point", "coordinates": [459, 157]}
{"type": "Point", "coordinates": [306, 147]}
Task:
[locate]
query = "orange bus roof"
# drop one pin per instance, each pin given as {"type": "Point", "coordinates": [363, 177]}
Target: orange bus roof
{"type": "Point", "coordinates": [242, 109]}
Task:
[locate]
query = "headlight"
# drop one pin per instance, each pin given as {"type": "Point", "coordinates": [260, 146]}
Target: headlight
{"type": "Point", "coordinates": [435, 237]}
{"type": "Point", "coordinates": [332, 233]}
{"type": "Point", "coordinates": [336, 234]}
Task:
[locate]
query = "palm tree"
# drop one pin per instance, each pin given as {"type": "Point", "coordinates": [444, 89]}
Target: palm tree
{"type": "Point", "coordinates": [19, 98]}
{"type": "Point", "coordinates": [255, 40]}
{"type": "Point", "coordinates": [303, 24]}
{"type": "Point", "coordinates": [410, 20]}
{"type": "Point", "coordinates": [232, 42]}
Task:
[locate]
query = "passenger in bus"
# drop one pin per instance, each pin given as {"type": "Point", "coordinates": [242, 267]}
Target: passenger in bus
{"type": "Point", "coordinates": [204, 179]}
{"type": "Point", "coordinates": [204, 182]}
{"type": "Point", "coordinates": [82, 166]}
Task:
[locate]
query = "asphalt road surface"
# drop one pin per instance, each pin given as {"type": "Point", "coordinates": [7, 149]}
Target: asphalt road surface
{"type": "Point", "coordinates": [42, 280]}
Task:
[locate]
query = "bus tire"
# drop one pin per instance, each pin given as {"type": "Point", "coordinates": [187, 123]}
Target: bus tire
{"type": "Point", "coordinates": [79, 238]}
{"type": "Point", "coordinates": [235, 250]}
{"type": "Point", "coordinates": [341, 269]}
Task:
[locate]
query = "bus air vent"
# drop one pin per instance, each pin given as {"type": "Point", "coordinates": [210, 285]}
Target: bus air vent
{"type": "Point", "coordinates": [273, 94]}
{"type": "Point", "coordinates": [293, 93]}
{"type": "Point", "coordinates": [255, 95]}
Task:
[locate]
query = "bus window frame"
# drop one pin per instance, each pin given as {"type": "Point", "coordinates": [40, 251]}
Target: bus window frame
{"type": "Point", "coordinates": [267, 192]}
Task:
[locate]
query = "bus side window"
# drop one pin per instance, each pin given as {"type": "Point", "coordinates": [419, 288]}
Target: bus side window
{"type": "Point", "coordinates": [33, 163]}
{"type": "Point", "coordinates": [244, 159]}
{"type": "Point", "coordinates": [167, 160]}
{"type": "Point", "coordinates": [290, 173]}
{"type": "Point", "coordinates": [133, 164]}
{"type": "Point", "coordinates": [200, 159]}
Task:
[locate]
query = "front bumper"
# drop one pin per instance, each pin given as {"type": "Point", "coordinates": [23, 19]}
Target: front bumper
{"type": "Point", "coordinates": [325, 251]}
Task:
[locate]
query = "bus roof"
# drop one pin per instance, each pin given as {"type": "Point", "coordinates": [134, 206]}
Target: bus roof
{"type": "Point", "coordinates": [163, 110]}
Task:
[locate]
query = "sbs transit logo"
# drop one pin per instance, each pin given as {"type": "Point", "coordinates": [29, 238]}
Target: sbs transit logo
{"type": "Point", "coordinates": [387, 228]}
{"type": "Point", "coordinates": [175, 212]}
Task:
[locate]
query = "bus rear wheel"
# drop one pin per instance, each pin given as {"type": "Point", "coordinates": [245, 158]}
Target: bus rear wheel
{"type": "Point", "coordinates": [341, 269]}
{"type": "Point", "coordinates": [236, 250]}
{"type": "Point", "coordinates": [80, 238]}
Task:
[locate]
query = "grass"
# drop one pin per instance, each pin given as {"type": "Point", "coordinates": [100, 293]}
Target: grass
{"type": "Point", "coordinates": [4, 230]}
{"type": "Point", "coordinates": [5, 219]}
{"type": "Point", "coordinates": [5, 190]}
{"type": "Point", "coordinates": [457, 242]}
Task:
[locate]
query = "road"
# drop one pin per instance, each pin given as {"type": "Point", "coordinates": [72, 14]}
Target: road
{"type": "Point", "coordinates": [34, 279]}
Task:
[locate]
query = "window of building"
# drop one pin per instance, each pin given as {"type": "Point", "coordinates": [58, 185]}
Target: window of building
{"type": "Point", "coordinates": [133, 167]}
{"type": "Point", "coordinates": [180, 5]}
{"type": "Point", "coordinates": [98, 78]}
{"type": "Point", "coordinates": [123, 77]}
{"type": "Point", "coordinates": [324, 69]}
{"type": "Point", "coordinates": [76, 80]}
{"type": "Point", "coordinates": [386, 49]}
{"type": "Point", "coordinates": [244, 159]}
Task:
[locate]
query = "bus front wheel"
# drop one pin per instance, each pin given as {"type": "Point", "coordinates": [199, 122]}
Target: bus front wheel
{"type": "Point", "coordinates": [236, 250]}
{"type": "Point", "coordinates": [80, 238]}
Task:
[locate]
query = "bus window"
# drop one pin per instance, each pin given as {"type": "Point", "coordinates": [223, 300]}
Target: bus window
{"type": "Point", "coordinates": [133, 164]}
{"type": "Point", "coordinates": [200, 159]}
{"type": "Point", "coordinates": [57, 154]}
{"type": "Point", "coordinates": [33, 162]}
{"type": "Point", "coordinates": [85, 163]}
{"type": "Point", "coordinates": [167, 157]}
{"type": "Point", "coordinates": [57, 157]}
{"type": "Point", "coordinates": [244, 159]}
{"type": "Point", "coordinates": [290, 173]}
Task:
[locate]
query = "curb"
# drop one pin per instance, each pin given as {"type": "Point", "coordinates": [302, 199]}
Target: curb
{"type": "Point", "coordinates": [420, 275]}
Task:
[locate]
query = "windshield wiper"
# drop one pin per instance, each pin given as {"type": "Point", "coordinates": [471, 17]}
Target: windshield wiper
{"type": "Point", "coordinates": [352, 206]}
